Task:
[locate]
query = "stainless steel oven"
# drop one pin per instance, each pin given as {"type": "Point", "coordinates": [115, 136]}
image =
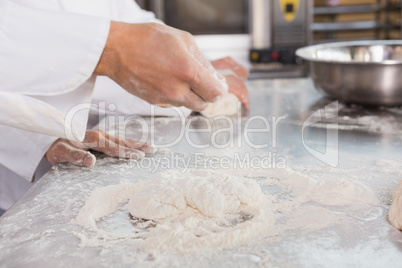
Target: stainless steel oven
{"type": "Point", "coordinates": [202, 17]}
{"type": "Point", "coordinates": [278, 28]}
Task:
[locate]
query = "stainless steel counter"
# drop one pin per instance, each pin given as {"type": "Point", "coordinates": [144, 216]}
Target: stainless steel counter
{"type": "Point", "coordinates": [339, 141]}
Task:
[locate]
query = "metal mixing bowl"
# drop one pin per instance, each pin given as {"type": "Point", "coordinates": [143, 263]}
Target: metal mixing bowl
{"type": "Point", "coordinates": [364, 72]}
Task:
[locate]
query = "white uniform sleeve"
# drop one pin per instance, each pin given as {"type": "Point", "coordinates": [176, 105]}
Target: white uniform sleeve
{"type": "Point", "coordinates": [12, 187]}
{"type": "Point", "coordinates": [21, 151]}
{"type": "Point", "coordinates": [44, 54]}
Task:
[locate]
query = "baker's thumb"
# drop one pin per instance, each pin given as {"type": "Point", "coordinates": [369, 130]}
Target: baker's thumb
{"type": "Point", "coordinates": [208, 84]}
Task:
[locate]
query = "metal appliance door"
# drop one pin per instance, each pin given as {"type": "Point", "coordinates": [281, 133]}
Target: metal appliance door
{"type": "Point", "coordinates": [204, 16]}
{"type": "Point", "coordinates": [290, 23]}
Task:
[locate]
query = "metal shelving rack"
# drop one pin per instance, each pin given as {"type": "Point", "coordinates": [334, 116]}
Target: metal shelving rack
{"type": "Point", "coordinates": [392, 7]}
{"type": "Point", "coordinates": [381, 25]}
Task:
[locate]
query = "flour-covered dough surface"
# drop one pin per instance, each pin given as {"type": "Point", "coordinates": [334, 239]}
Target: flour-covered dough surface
{"type": "Point", "coordinates": [104, 201]}
{"type": "Point", "coordinates": [184, 212]}
{"type": "Point", "coordinates": [201, 211]}
{"type": "Point", "coordinates": [212, 194]}
{"type": "Point", "coordinates": [395, 212]}
{"type": "Point", "coordinates": [228, 105]}
{"type": "Point", "coordinates": [342, 192]}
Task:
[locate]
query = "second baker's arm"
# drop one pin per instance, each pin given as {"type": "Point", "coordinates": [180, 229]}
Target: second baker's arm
{"type": "Point", "coordinates": [77, 153]}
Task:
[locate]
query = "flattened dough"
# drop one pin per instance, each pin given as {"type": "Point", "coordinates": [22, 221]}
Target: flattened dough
{"type": "Point", "coordinates": [213, 194]}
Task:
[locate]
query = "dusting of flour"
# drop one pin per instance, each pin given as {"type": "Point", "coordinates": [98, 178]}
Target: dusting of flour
{"type": "Point", "coordinates": [210, 193]}
{"type": "Point", "coordinates": [183, 212]}
{"type": "Point", "coordinates": [199, 211]}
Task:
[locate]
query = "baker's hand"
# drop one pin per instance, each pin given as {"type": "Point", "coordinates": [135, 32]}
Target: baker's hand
{"type": "Point", "coordinates": [76, 153]}
{"type": "Point", "coordinates": [235, 75]}
{"type": "Point", "coordinates": [231, 64]}
{"type": "Point", "coordinates": [238, 88]}
{"type": "Point", "coordinates": [161, 65]}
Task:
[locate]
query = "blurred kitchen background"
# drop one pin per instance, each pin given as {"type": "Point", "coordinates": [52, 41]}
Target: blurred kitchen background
{"type": "Point", "coordinates": [264, 34]}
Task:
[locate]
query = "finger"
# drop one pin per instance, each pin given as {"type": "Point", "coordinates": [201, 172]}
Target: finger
{"type": "Point", "coordinates": [80, 157]}
{"type": "Point", "coordinates": [63, 152]}
{"type": "Point", "coordinates": [238, 69]}
{"type": "Point", "coordinates": [111, 145]}
{"type": "Point", "coordinates": [165, 105]}
{"type": "Point", "coordinates": [197, 103]}
{"type": "Point", "coordinates": [51, 154]}
{"type": "Point", "coordinates": [183, 96]}
{"type": "Point", "coordinates": [206, 81]}
{"type": "Point", "coordinates": [238, 88]}
{"type": "Point", "coordinates": [230, 63]}
{"type": "Point", "coordinates": [145, 147]}
{"type": "Point", "coordinates": [92, 140]}
{"type": "Point", "coordinates": [133, 144]}
{"type": "Point", "coordinates": [115, 149]}
{"type": "Point", "coordinates": [124, 152]}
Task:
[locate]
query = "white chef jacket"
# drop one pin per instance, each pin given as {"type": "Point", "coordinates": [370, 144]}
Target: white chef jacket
{"type": "Point", "coordinates": [48, 52]}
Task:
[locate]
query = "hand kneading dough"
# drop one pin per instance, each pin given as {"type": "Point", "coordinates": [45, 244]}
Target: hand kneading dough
{"type": "Point", "coordinates": [228, 105]}
{"type": "Point", "coordinates": [211, 193]}
{"type": "Point", "coordinates": [395, 212]}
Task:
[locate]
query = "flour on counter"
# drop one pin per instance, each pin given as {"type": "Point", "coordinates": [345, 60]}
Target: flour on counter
{"type": "Point", "coordinates": [207, 210]}
{"type": "Point", "coordinates": [342, 192]}
{"type": "Point", "coordinates": [210, 193]}
{"type": "Point", "coordinates": [191, 210]}
{"type": "Point", "coordinates": [104, 201]}
{"type": "Point", "coordinates": [358, 117]}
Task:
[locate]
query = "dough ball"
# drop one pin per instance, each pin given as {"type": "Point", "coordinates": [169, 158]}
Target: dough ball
{"type": "Point", "coordinates": [228, 105]}
{"type": "Point", "coordinates": [211, 193]}
{"type": "Point", "coordinates": [395, 212]}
